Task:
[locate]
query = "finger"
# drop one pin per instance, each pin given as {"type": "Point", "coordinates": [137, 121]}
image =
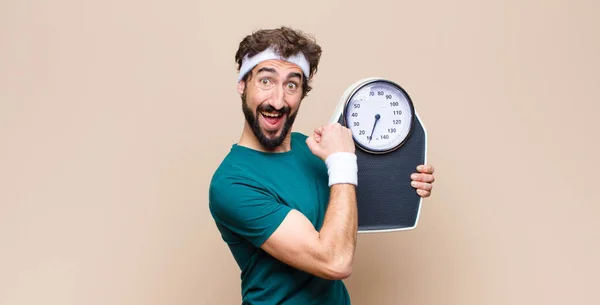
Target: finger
{"type": "Point", "coordinates": [317, 135]}
{"type": "Point", "coordinates": [312, 145]}
{"type": "Point", "coordinates": [423, 177]}
{"type": "Point", "coordinates": [421, 185]}
{"type": "Point", "coordinates": [425, 168]}
{"type": "Point", "coordinates": [423, 193]}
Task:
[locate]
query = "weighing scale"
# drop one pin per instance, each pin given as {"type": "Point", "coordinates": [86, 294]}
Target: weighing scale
{"type": "Point", "coordinates": [391, 141]}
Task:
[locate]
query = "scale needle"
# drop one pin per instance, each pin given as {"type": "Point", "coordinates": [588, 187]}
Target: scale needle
{"type": "Point", "coordinates": [377, 116]}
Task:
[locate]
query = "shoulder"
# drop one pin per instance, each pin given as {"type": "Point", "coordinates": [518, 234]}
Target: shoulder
{"type": "Point", "coordinates": [234, 166]}
{"type": "Point", "coordinates": [236, 180]}
{"type": "Point", "coordinates": [240, 204]}
{"type": "Point", "coordinates": [226, 176]}
{"type": "Point", "coordinates": [231, 190]}
{"type": "Point", "coordinates": [229, 180]}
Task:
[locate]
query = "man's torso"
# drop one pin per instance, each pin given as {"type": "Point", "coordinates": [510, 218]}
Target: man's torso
{"type": "Point", "coordinates": [296, 179]}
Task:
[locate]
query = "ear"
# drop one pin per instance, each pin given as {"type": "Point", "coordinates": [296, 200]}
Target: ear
{"type": "Point", "coordinates": [241, 85]}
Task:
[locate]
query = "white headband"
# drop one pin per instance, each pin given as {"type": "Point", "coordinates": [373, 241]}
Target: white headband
{"type": "Point", "coordinates": [249, 63]}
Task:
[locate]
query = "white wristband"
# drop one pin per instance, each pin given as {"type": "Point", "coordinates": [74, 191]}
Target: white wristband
{"type": "Point", "coordinates": [342, 168]}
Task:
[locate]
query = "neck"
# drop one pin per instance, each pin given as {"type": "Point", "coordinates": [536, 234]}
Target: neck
{"type": "Point", "coordinates": [248, 139]}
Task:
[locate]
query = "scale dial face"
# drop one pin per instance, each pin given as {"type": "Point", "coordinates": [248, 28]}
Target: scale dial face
{"type": "Point", "coordinates": [380, 115]}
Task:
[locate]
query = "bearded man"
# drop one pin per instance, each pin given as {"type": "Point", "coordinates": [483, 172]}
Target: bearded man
{"type": "Point", "coordinates": [285, 202]}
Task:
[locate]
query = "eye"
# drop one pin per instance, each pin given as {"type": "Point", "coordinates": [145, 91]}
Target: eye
{"type": "Point", "coordinates": [291, 86]}
{"type": "Point", "coordinates": [264, 81]}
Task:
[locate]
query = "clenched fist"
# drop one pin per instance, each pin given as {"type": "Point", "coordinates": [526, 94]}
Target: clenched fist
{"type": "Point", "coordinates": [330, 139]}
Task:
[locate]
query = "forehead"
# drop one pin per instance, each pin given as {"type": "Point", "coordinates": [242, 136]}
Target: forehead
{"type": "Point", "coordinates": [281, 67]}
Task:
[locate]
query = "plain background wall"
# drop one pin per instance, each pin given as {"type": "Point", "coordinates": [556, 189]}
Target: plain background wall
{"type": "Point", "coordinates": [114, 114]}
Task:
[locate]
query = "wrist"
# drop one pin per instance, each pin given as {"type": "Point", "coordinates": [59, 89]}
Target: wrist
{"type": "Point", "coordinates": [342, 167]}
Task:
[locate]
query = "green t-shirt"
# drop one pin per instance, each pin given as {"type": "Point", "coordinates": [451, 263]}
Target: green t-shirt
{"type": "Point", "coordinates": [250, 194]}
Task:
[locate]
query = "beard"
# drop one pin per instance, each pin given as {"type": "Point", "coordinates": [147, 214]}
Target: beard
{"type": "Point", "coordinates": [270, 140]}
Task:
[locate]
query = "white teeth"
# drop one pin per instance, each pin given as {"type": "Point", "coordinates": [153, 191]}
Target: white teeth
{"type": "Point", "coordinates": [272, 115]}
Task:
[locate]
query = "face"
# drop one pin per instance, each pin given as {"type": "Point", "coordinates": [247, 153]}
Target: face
{"type": "Point", "coordinates": [271, 99]}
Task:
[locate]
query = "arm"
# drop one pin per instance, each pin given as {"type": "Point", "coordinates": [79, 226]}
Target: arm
{"type": "Point", "coordinates": [240, 205]}
{"type": "Point", "coordinates": [328, 253]}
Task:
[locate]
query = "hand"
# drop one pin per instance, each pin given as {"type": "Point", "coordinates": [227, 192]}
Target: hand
{"type": "Point", "coordinates": [330, 139]}
{"type": "Point", "coordinates": [423, 180]}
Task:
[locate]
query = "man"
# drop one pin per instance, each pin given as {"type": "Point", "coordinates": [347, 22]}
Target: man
{"type": "Point", "coordinates": [285, 203]}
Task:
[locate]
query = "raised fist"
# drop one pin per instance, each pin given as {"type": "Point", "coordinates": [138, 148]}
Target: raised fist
{"type": "Point", "coordinates": [330, 139]}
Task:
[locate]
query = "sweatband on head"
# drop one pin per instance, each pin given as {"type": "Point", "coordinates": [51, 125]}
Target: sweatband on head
{"type": "Point", "coordinates": [248, 63]}
{"type": "Point", "coordinates": [342, 167]}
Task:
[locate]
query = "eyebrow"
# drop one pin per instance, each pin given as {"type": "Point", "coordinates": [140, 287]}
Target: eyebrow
{"type": "Point", "coordinates": [294, 74]}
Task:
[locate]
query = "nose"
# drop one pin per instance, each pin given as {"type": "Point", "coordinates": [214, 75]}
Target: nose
{"type": "Point", "coordinates": [277, 99]}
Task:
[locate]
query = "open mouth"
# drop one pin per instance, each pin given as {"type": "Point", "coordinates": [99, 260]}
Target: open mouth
{"type": "Point", "coordinates": [272, 118]}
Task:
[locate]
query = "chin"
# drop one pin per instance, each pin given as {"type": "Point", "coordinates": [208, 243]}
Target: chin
{"type": "Point", "coordinates": [271, 139]}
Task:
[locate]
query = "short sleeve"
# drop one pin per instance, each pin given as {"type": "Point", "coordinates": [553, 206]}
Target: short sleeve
{"type": "Point", "coordinates": [245, 208]}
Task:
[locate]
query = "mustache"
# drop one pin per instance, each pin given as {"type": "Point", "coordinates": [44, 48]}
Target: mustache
{"type": "Point", "coordinates": [268, 108]}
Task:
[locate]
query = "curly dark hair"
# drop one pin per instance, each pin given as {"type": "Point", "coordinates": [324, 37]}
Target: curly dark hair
{"type": "Point", "coordinates": [286, 42]}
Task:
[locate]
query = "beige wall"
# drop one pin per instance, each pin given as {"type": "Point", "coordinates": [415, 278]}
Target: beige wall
{"type": "Point", "coordinates": [113, 116]}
